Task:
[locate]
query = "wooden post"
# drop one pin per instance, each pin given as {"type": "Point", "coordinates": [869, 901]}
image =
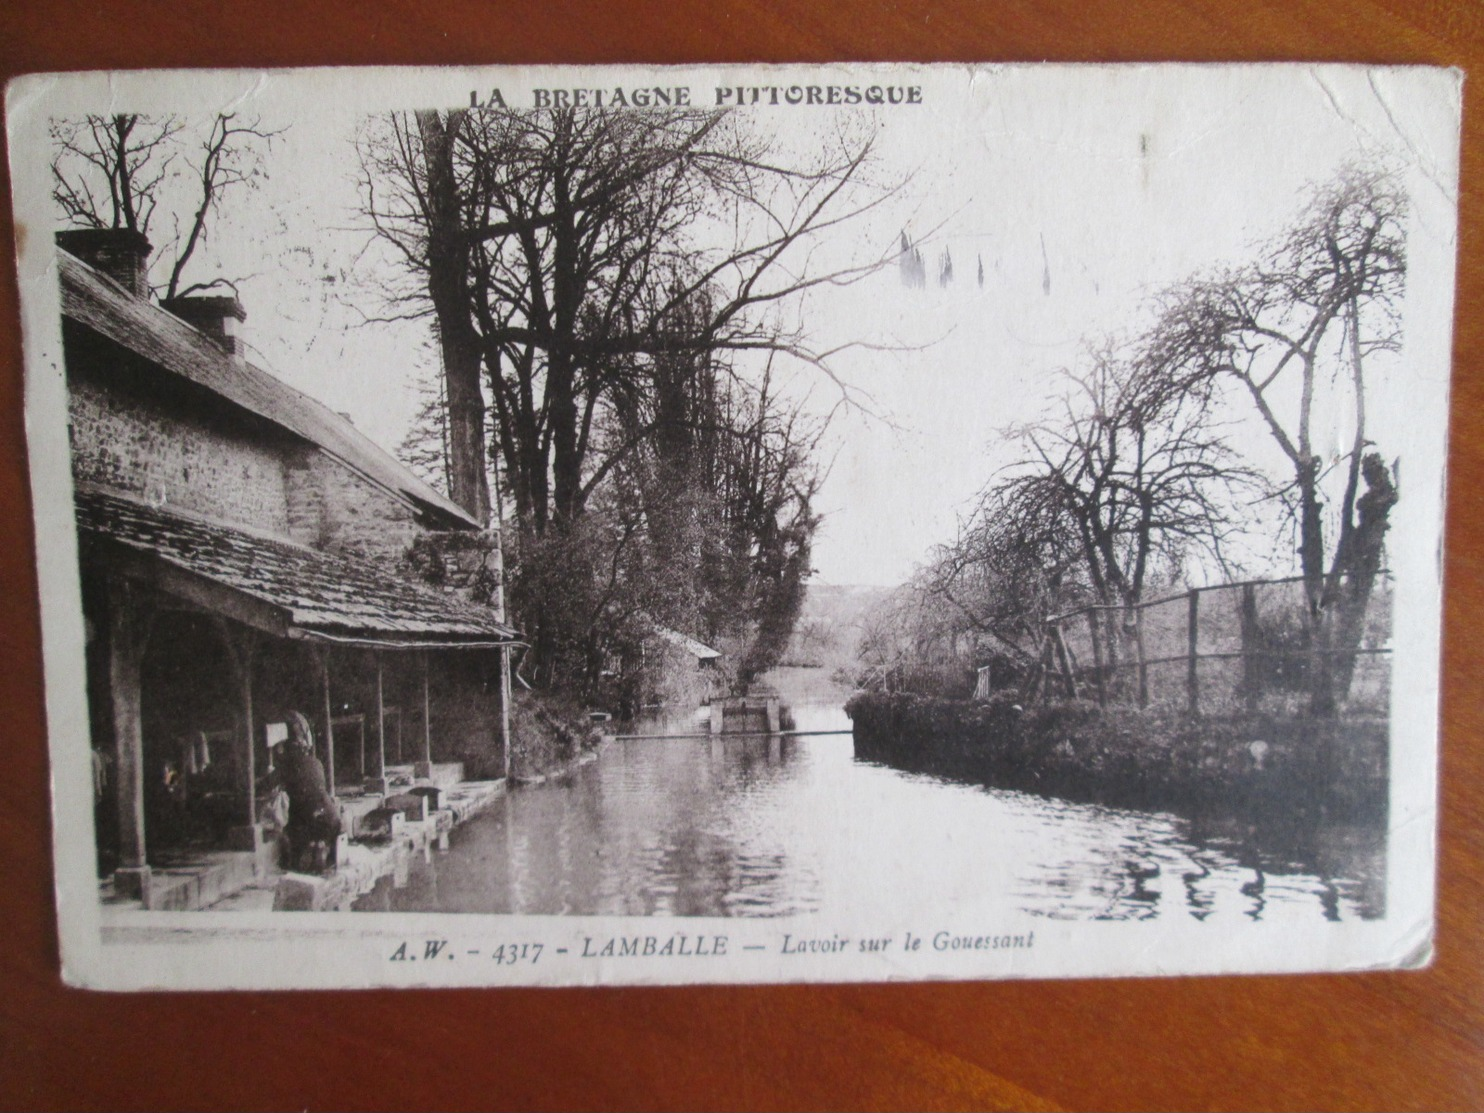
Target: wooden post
{"type": "Point", "coordinates": [427, 720]}
{"type": "Point", "coordinates": [241, 643]}
{"type": "Point", "coordinates": [322, 656]}
{"type": "Point", "coordinates": [1097, 657]}
{"type": "Point", "coordinates": [380, 729]}
{"type": "Point", "coordinates": [505, 696]}
{"type": "Point", "coordinates": [1251, 684]}
{"type": "Point", "coordinates": [1192, 662]}
{"type": "Point", "coordinates": [1143, 660]}
{"type": "Point", "coordinates": [249, 730]}
{"type": "Point", "coordinates": [1064, 659]}
{"type": "Point", "coordinates": [129, 621]}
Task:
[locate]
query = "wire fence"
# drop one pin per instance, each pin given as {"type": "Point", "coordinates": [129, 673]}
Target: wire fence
{"type": "Point", "coordinates": [1230, 648]}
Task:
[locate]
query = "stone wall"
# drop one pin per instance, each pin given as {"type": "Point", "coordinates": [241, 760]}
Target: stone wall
{"type": "Point", "coordinates": [334, 508]}
{"type": "Point", "coordinates": [466, 561]}
{"type": "Point", "coordinates": [161, 449]}
{"type": "Point", "coordinates": [174, 445]}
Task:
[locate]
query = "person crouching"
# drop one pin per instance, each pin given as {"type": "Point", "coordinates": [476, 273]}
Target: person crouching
{"type": "Point", "coordinates": [313, 820]}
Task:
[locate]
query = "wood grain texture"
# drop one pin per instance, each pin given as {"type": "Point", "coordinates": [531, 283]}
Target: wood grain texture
{"type": "Point", "coordinates": [1400, 1041]}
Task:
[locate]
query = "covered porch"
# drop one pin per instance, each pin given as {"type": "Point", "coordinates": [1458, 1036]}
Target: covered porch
{"type": "Point", "coordinates": [202, 637]}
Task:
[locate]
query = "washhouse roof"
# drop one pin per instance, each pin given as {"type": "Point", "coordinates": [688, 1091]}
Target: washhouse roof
{"type": "Point", "coordinates": [277, 586]}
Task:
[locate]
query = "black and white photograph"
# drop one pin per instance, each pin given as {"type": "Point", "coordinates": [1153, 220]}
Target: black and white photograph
{"type": "Point", "coordinates": [738, 524]}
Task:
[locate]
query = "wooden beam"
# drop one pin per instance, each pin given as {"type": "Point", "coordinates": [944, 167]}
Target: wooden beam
{"type": "Point", "coordinates": [322, 659]}
{"type": "Point", "coordinates": [505, 710]}
{"type": "Point", "coordinates": [241, 643]}
{"type": "Point", "coordinates": [427, 716]}
{"type": "Point", "coordinates": [217, 598]}
{"type": "Point", "coordinates": [130, 619]}
{"type": "Point", "coordinates": [249, 730]}
{"type": "Point", "coordinates": [380, 721]}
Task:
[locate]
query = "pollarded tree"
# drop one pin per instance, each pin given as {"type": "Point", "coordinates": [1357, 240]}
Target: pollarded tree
{"type": "Point", "coordinates": [1296, 332]}
{"type": "Point", "coordinates": [1139, 467]}
{"type": "Point", "coordinates": [1134, 466]}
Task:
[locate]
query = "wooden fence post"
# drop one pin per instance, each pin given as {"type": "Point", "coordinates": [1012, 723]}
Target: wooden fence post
{"type": "Point", "coordinates": [1066, 663]}
{"type": "Point", "coordinates": [1097, 657]}
{"type": "Point", "coordinates": [1192, 662]}
{"type": "Point", "coordinates": [1138, 610]}
{"type": "Point", "coordinates": [1251, 682]}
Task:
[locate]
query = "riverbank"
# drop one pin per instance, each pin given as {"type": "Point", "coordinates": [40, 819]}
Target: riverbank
{"type": "Point", "coordinates": [752, 826]}
{"type": "Point", "coordinates": [1259, 766]}
{"type": "Point", "coordinates": [548, 734]}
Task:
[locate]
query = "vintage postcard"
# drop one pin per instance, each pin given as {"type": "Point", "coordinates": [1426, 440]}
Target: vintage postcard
{"type": "Point", "coordinates": [550, 526]}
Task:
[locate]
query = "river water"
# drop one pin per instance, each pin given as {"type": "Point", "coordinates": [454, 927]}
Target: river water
{"type": "Point", "coordinates": [787, 826]}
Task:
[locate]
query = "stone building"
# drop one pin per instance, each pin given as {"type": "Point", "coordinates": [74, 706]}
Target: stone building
{"type": "Point", "coordinates": [245, 552]}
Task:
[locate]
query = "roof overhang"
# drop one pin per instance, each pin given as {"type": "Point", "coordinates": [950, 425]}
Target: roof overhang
{"type": "Point", "coordinates": [273, 586]}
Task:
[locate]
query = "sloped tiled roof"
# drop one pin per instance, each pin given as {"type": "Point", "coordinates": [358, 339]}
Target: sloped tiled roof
{"type": "Point", "coordinates": [94, 300]}
{"type": "Point", "coordinates": [699, 650]}
{"type": "Point", "coordinates": [308, 591]}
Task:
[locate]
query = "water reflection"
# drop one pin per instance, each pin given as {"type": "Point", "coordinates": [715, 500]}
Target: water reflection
{"type": "Point", "coordinates": [786, 826]}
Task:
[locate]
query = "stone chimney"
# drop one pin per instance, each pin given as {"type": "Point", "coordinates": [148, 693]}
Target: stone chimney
{"type": "Point", "coordinates": [215, 315]}
{"type": "Point", "coordinates": [120, 253]}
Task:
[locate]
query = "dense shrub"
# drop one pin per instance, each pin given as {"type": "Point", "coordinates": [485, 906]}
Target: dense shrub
{"type": "Point", "coordinates": [547, 732]}
{"type": "Point", "coordinates": [1136, 758]}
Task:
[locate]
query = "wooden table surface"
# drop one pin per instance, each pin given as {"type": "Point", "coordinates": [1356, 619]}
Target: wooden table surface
{"type": "Point", "coordinates": [1362, 1041]}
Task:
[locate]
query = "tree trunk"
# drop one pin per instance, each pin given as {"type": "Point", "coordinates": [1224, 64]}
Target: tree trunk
{"type": "Point", "coordinates": [561, 367]}
{"type": "Point", "coordinates": [448, 273]}
{"type": "Point", "coordinates": [566, 461]}
{"type": "Point", "coordinates": [1316, 616]}
{"type": "Point", "coordinates": [1362, 566]}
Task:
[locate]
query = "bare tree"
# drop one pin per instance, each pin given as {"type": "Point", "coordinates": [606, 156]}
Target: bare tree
{"type": "Point", "coordinates": [576, 234]}
{"type": "Point", "coordinates": [1016, 562]}
{"type": "Point", "coordinates": [106, 170]}
{"type": "Point", "coordinates": [1139, 466]}
{"type": "Point", "coordinates": [916, 640]}
{"type": "Point", "coordinates": [1295, 330]}
{"type": "Point", "coordinates": [1127, 479]}
{"type": "Point", "coordinates": [424, 448]}
{"type": "Point", "coordinates": [118, 171]}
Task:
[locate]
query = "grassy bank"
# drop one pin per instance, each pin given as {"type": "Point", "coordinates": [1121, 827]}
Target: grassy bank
{"type": "Point", "coordinates": [1257, 765]}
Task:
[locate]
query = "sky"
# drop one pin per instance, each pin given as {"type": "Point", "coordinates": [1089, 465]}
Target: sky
{"type": "Point", "coordinates": [1082, 191]}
